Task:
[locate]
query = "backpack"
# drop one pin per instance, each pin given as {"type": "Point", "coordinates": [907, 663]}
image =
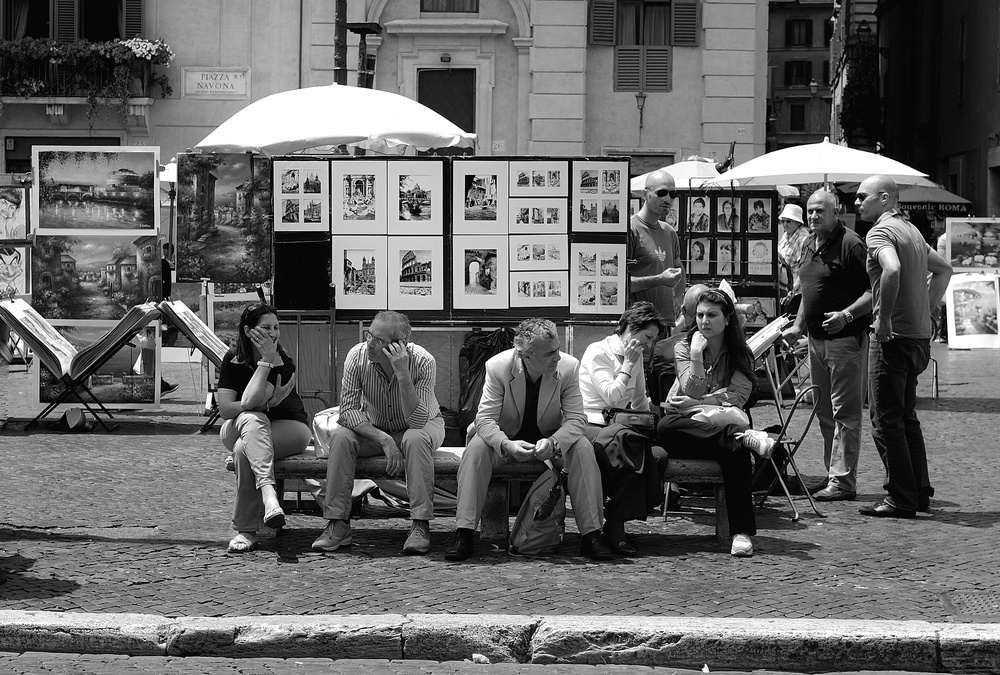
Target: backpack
{"type": "Point", "coordinates": [540, 521]}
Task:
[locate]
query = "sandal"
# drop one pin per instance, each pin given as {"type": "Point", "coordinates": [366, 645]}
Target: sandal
{"type": "Point", "coordinates": [241, 543]}
{"type": "Point", "coordinates": [275, 518]}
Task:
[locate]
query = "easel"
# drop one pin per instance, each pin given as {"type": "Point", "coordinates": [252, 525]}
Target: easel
{"type": "Point", "coordinates": [211, 404]}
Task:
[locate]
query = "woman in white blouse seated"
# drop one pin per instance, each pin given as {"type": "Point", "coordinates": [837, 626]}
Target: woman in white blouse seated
{"type": "Point", "coordinates": [612, 375]}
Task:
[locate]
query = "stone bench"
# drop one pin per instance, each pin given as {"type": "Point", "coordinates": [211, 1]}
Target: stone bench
{"type": "Point", "coordinates": [495, 522]}
{"type": "Point", "coordinates": [701, 472]}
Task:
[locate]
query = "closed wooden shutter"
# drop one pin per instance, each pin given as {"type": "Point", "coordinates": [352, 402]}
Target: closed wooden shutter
{"type": "Point", "coordinates": [602, 22]}
{"type": "Point", "coordinates": [628, 68]}
{"type": "Point", "coordinates": [65, 20]}
{"type": "Point", "coordinates": [133, 19]}
{"type": "Point", "coordinates": [657, 63]}
{"type": "Point", "coordinates": [684, 27]}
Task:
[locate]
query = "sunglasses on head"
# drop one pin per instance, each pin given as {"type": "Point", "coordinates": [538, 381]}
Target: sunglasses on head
{"type": "Point", "coordinates": [664, 192]}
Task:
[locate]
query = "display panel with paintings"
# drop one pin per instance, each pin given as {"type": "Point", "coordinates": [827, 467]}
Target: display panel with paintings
{"type": "Point", "coordinates": [539, 289]}
{"type": "Point", "coordinates": [415, 191]}
{"type": "Point", "coordinates": [480, 196]}
{"type": "Point", "coordinates": [600, 196]}
{"type": "Point", "coordinates": [224, 228]}
{"type": "Point", "coordinates": [301, 195]}
{"type": "Point", "coordinates": [109, 189]}
{"type": "Point", "coordinates": [539, 178]}
{"type": "Point", "coordinates": [480, 272]}
{"type": "Point", "coordinates": [597, 278]}
{"type": "Point", "coordinates": [360, 272]}
{"type": "Point", "coordinates": [972, 300]}
{"type": "Point", "coordinates": [416, 273]}
{"type": "Point", "coordinates": [13, 213]}
{"type": "Point", "coordinates": [973, 243]}
{"type": "Point", "coordinates": [359, 198]}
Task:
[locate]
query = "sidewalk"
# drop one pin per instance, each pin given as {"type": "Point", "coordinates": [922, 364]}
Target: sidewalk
{"type": "Point", "coordinates": [137, 522]}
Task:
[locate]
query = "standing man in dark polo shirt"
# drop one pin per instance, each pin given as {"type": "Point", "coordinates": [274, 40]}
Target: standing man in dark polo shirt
{"type": "Point", "coordinates": [654, 250]}
{"type": "Point", "coordinates": [836, 311]}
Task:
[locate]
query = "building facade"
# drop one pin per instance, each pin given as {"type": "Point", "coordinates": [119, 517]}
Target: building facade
{"type": "Point", "coordinates": [656, 79]}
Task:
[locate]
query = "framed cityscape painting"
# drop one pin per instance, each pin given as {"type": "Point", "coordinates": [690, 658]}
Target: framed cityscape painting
{"type": "Point", "coordinates": [972, 300]}
{"type": "Point", "coordinates": [539, 179]}
{"type": "Point", "coordinates": [973, 243]}
{"type": "Point", "coordinates": [479, 197]}
{"type": "Point", "coordinates": [480, 272]}
{"type": "Point", "coordinates": [108, 189]}
{"type": "Point", "coordinates": [359, 197]}
{"type": "Point", "coordinates": [416, 202]}
{"type": "Point", "coordinates": [416, 273]}
{"type": "Point", "coordinates": [537, 216]}
{"type": "Point", "coordinates": [600, 196]}
{"type": "Point", "coordinates": [301, 196]}
{"type": "Point", "coordinates": [539, 289]}
{"type": "Point", "coordinates": [549, 252]}
{"type": "Point", "coordinates": [359, 272]}
{"type": "Point", "coordinates": [597, 278]}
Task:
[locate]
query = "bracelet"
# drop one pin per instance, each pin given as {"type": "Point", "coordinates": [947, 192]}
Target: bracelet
{"type": "Point", "coordinates": [265, 364]}
{"type": "Point", "coordinates": [850, 317]}
{"type": "Point", "coordinates": [626, 374]}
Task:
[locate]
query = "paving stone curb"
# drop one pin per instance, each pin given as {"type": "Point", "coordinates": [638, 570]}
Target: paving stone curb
{"type": "Point", "coordinates": [777, 644]}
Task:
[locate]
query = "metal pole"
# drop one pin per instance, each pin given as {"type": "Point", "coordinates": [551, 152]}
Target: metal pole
{"type": "Point", "coordinates": [340, 43]}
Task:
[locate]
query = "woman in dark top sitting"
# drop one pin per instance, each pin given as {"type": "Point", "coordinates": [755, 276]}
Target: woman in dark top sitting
{"type": "Point", "coordinates": [264, 420]}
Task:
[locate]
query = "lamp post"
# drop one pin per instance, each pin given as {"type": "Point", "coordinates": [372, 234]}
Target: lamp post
{"type": "Point", "coordinates": [640, 103]}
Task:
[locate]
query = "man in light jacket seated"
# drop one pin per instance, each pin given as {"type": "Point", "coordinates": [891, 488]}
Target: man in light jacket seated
{"type": "Point", "coordinates": [531, 410]}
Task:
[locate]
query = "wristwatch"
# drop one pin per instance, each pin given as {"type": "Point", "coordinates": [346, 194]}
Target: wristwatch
{"type": "Point", "coordinates": [850, 317]}
{"type": "Point", "coordinates": [266, 364]}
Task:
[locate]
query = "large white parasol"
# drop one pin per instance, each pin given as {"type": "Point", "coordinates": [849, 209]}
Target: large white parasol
{"type": "Point", "coordinates": [823, 162]}
{"type": "Point", "coordinates": [321, 118]}
{"type": "Point", "coordinates": [689, 173]}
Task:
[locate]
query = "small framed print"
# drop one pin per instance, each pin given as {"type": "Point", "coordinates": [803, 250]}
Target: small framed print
{"type": "Point", "coordinates": [973, 243]}
{"type": "Point", "coordinates": [539, 179]}
{"type": "Point", "coordinates": [597, 279]}
{"type": "Point", "coordinates": [697, 220]}
{"type": "Point", "coordinates": [760, 257]}
{"type": "Point", "coordinates": [359, 272]}
{"type": "Point", "coordinates": [698, 252]}
{"type": "Point", "coordinates": [15, 270]}
{"type": "Point", "coordinates": [479, 197]}
{"type": "Point", "coordinates": [539, 289]}
{"type": "Point", "coordinates": [480, 272]}
{"type": "Point", "coordinates": [302, 196]}
{"type": "Point", "coordinates": [358, 198]}
{"type": "Point", "coordinates": [728, 257]}
{"type": "Point", "coordinates": [539, 253]}
{"type": "Point", "coordinates": [537, 216]}
{"type": "Point", "coordinates": [761, 210]}
{"type": "Point", "coordinates": [761, 310]}
{"type": "Point", "coordinates": [972, 300]}
{"type": "Point", "coordinates": [13, 212]}
{"type": "Point", "coordinates": [727, 219]}
{"type": "Point", "coordinates": [416, 273]}
{"type": "Point", "coordinates": [416, 197]}
{"type": "Point", "coordinates": [600, 197]}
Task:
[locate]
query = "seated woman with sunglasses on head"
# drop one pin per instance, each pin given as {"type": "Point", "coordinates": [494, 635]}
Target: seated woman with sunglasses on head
{"type": "Point", "coordinates": [656, 275]}
{"type": "Point", "coordinates": [703, 413]}
{"type": "Point", "coordinates": [264, 420]}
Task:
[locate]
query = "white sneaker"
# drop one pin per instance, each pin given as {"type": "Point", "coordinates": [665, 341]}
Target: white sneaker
{"type": "Point", "coordinates": [742, 546]}
{"type": "Point", "coordinates": [757, 441]}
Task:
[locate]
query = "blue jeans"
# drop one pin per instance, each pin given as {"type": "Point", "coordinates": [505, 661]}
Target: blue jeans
{"type": "Point", "coordinates": [894, 366]}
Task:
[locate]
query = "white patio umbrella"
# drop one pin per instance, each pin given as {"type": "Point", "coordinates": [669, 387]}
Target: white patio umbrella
{"type": "Point", "coordinates": [689, 173]}
{"type": "Point", "coordinates": [320, 118]}
{"type": "Point", "coordinates": [823, 162]}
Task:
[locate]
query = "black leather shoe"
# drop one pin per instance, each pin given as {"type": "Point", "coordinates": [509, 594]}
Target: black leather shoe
{"type": "Point", "coordinates": [623, 547]}
{"type": "Point", "coordinates": [593, 546]}
{"type": "Point", "coordinates": [461, 547]}
{"type": "Point", "coordinates": [884, 510]}
{"type": "Point", "coordinates": [924, 505]}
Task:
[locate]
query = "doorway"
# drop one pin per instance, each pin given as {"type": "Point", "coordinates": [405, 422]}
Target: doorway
{"type": "Point", "coordinates": [452, 94]}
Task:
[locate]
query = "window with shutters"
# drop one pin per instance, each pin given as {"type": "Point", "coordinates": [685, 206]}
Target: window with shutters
{"type": "Point", "coordinates": [798, 33]}
{"type": "Point", "coordinates": [71, 20]}
{"type": "Point", "coordinates": [797, 117]}
{"type": "Point", "coordinates": [643, 33]}
{"type": "Point", "coordinates": [798, 73]}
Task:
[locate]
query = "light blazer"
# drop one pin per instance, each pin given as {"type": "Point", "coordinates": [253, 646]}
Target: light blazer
{"type": "Point", "coordinates": [560, 405]}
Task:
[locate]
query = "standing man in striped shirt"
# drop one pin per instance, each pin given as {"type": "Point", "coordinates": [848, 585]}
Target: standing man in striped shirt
{"type": "Point", "coordinates": [387, 406]}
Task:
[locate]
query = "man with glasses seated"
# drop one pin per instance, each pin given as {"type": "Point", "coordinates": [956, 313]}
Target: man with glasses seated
{"type": "Point", "coordinates": [656, 274]}
{"type": "Point", "coordinates": [387, 406]}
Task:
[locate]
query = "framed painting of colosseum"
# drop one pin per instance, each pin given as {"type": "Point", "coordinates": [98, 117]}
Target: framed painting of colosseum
{"type": "Point", "coordinates": [358, 197]}
{"type": "Point", "coordinates": [532, 178]}
{"type": "Point", "coordinates": [359, 272]}
{"type": "Point", "coordinates": [103, 189]}
{"type": "Point", "coordinates": [479, 196]}
{"type": "Point", "coordinates": [301, 195]}
{"type": "Point", "coordinates": [416, 197]}
{"type": "Point", "coordinates": [480, 268]}
{"type": "Point", "coordinates": [416, 273]}
{"type": "Point", "coordinates": [600, 196]}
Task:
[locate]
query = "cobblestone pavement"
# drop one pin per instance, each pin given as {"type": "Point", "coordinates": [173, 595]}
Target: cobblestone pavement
{"type": "Point", "coordinates": [138, 521]}
{"type": "Point", "coordinates": [33, 663]}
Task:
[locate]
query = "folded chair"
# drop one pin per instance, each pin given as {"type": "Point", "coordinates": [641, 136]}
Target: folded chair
{"type": "Point", "coordinates": [791, 444]}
